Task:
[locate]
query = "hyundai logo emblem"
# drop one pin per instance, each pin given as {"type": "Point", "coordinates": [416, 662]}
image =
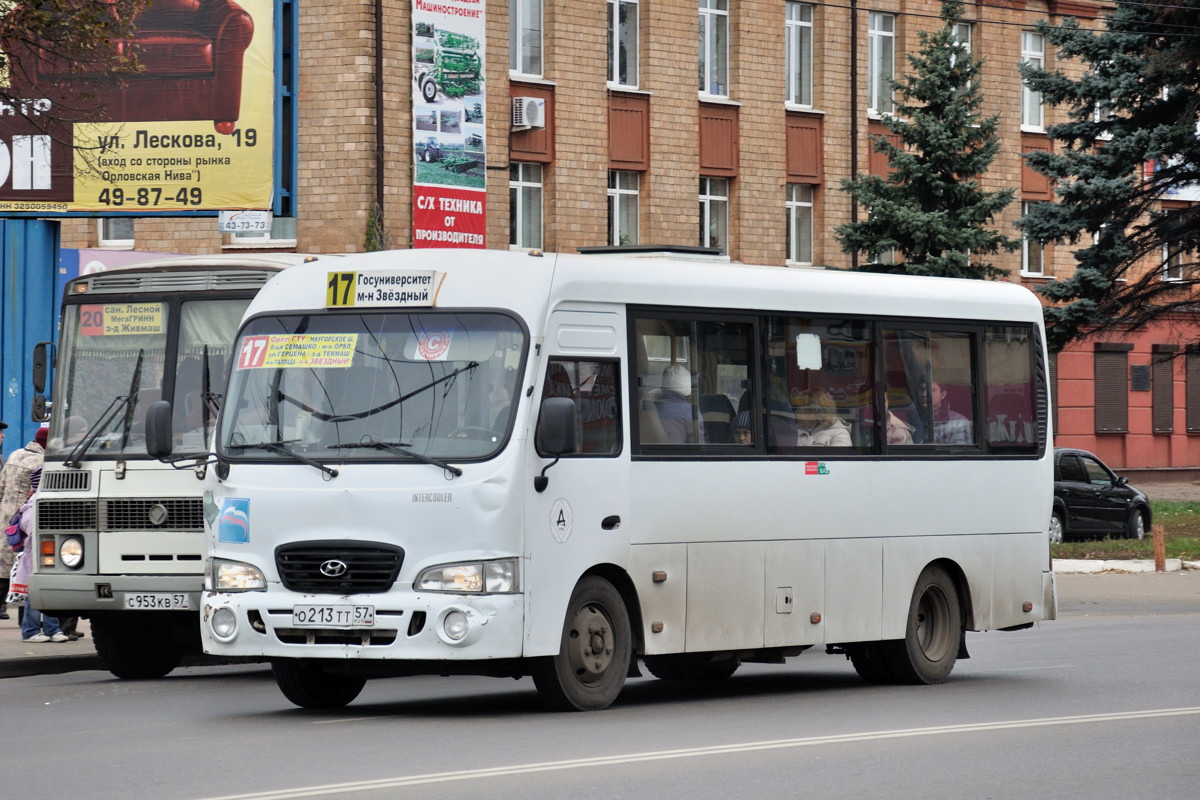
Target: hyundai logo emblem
{"type": "Point", "coordinates": [333, 568]}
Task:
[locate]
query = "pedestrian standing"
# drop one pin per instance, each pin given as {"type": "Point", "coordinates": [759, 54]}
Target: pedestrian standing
{"type": "Point", "coordinates": [14, 491]}
{"type": "Point", "coordinates": [6, 553]}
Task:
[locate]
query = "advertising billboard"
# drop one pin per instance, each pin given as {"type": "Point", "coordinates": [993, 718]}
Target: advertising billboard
{"type": "Point", "coordinates": [449, 137]}
{"type": "Point", "coordinates": [191, 130]}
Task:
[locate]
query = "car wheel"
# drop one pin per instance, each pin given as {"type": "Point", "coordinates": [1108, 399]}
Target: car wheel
{"type": "Point", "coordinates": [1056, 528]}
{"type": "Point", "coordinates": [1135, 527]}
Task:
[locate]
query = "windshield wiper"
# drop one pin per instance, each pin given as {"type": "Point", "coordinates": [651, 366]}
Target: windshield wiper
{"type": "Point", "coordinates": [401, 449]}
{"type": "Point", "coordinates": [282, 448]}
{"type": "Point", "coordinates": [120, 402]}
{"type": "Point", "coordinates": [370, 412]}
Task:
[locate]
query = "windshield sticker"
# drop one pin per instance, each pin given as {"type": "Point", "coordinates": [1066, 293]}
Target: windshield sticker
{"type": "Point", "coordinates": [297, 350]}
{"type": "Point", "coordinates": [233, 525]}
{"type": "Point", "coordinates": [382, 287]}
{"type": "Point", "coordinates": [121, 319]}
{"type": "Point", "coordinates": [434, 345]}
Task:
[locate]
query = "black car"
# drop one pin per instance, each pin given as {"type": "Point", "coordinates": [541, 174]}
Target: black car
{"type": "Point", "coordinates": [1091, 502]}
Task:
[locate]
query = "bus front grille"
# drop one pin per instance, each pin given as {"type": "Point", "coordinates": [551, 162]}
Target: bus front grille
{"type": "Point", "coordinates": [176, 514]}
{"type": "Point", "coordinates": [337, 567]}
{"type": "Point", "coordinates": [66, 515]}
{"type": "Point", "coordinates": [66, 480]}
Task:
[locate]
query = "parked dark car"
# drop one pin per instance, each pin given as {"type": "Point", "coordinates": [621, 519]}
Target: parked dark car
{"type": "Point", "coordinates": [1092, 502]}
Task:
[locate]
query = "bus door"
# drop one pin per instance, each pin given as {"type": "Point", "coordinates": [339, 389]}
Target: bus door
{"type": "Point", "coordinates": [577, 520]}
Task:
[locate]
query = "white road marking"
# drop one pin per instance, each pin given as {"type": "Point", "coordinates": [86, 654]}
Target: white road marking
{"type": "Point", "coordinates": [696, 752]}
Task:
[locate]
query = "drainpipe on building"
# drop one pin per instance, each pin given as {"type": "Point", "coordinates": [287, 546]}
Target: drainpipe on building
{"type": "Point", "coordinates": [379, 108]}
{"type": "Point", "coordinates": [853, 115]}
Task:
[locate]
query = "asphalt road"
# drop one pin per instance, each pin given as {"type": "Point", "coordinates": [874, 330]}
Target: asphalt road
{"type": "Point", "coordinates": [1102, 703]}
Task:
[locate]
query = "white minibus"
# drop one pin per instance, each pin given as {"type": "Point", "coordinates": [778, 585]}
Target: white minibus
{"type": "Point", "coordinates": [572, 467]}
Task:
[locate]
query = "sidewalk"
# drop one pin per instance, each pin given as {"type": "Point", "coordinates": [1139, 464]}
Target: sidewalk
{"type": "Point", "coordinates": [18, 658]}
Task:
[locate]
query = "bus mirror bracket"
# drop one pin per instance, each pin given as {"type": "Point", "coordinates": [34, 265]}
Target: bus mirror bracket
{"type": "Point", "coordinates": [557, 426]}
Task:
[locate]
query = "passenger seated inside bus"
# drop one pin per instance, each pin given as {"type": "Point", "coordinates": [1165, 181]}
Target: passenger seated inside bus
{"type": "Point", "coordinates": [741, 429]}
{"type": "Point", "coordinates": [717, 412]}
{"type": "Point", "coordinates": [819, 424]}
{"type": "Point", "coordinates": [949, 426]}
{"type": "Point", "coordinates": [675, 411]}
{"type": "Point", "coordinates": [898, 431]}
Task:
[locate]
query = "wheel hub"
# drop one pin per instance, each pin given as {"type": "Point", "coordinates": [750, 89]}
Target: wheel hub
{"type": "Point", "coordinates": [591, 647]}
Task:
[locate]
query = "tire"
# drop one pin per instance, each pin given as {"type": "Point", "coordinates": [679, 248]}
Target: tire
{"type": "Point", "coordinates": [429, 90]}
{"type": "Point", "coordinates": [136, 646]}
{"type": "Point", "coordinates": [594, 651]}
{"type": "Point", "coordinates": [1057, 528]}
{"type": "Point", "coordinates": [933, 634]}
{"type": "Point", "coordinates": [1135, 526]}
{"type": "Point", "coordinates": [311, 687]}
{"type": "Point", "coordinates": [869, 662]}
{"type": "Point", "coordinates": [689, 667]}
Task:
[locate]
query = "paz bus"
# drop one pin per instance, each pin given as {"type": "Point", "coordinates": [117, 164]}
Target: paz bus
{"type": "Point", "coordinates": [572, 467]}
{"type": "Point", "coordinates": [120, 535]}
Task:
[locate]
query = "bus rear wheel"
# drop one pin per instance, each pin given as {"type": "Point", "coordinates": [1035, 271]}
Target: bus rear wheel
{"type": "Point", "coordinates": [594, 652]}
{"type": "Point", "coordinates": [136, 646]}
{"type": "Point", "coordinates": [311, 687]}
{"type": "Point", "coordinates": [933, 634]}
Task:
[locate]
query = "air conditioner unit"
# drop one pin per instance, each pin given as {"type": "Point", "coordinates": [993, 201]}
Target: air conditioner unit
{"type": "Point", "coordinates": [528, 112]}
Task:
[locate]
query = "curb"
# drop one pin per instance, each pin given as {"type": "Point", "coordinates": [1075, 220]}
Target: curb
{"type": "Point", "coordinates": [1083, 566]}
{"type": "Point", "coordinates": [49, 665]}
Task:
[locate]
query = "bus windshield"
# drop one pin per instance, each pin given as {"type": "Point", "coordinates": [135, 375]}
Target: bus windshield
{"type": "Point", "coordinates": [119, 357]}
{"type": "Point", "coordinates": [373, 386]}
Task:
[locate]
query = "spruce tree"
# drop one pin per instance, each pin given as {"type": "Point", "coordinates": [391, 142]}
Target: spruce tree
{"type": "Point", "coordinates": [1131, 141]}
{"type": "Point", "coordinates": [930, 207]}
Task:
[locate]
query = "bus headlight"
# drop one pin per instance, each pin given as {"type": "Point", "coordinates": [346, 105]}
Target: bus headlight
{"type": "Point", "coordinates": [70, 552]}
{"type": "Point", "coordinates": [479, 577]}
{"type": "Point", "coordinates": [221, 575]}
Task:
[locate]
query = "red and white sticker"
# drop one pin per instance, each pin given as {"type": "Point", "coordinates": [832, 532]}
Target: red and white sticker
{"type": "Point", "coordinates": [434, 345]}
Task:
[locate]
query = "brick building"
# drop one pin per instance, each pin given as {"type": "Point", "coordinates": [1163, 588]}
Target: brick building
{"type": "Point", "coordinates": [726, 123]}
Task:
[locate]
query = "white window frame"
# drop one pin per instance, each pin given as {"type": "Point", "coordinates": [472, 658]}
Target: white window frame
{"type": "Point", "coordinates": [623, 43]}
{"type": "Point", "coordinates": [1172, 266]}
{"type": "Point", "coordinates": [964, 33]}
{"type": "Point", "coordinates": [799, 205]}
{"type": "Point", "coordinates": [111, 239]}
{"type": "Point", "coordinates": [525, 37]}
{"type": "Point", "coordinates": [714, 48]}
{"type": "Point", "coordinates": [714, 210]}
{"type": "Point", "coordinates": [282, 234]}
{"type": "Point", "coordinates": [881, 63]}
{"type": "Point", "coordinates": [798, 45]}
{"type": "Point", "coordinates": [624, 202]}
{"type": "Point", "coordinates": [1033, 52]}
{"type": "Point", "coordinates": [1033, 252]}
{"type": "Point", "coordinates": [526, 199]}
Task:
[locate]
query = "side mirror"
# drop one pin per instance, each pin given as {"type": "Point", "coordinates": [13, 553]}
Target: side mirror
{"type": "Point", "coordinates": [557, 426]}
{"type": "Point", "coordinates": [556, 433]}
{"type": "Point", "coordinates": [1121, 481]}
{"type": "Point", "coordinates": [159, 438]}
{"type": "Point", "coordinates": [41, 366]}
{"type": "Point", "coordinates": [38, 412]}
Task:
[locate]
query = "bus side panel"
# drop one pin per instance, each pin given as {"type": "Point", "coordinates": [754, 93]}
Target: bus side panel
{"type": "Point", "coordinates": [795, 591]}
{"type": "Point", "coordinates": [662, 601]}
{"type": "Point", "coordinates": [724, 599]}
{"type": "Point", "coordinates": [1015, 583]}
{"type": "Point", "coordinates": [854, 590]}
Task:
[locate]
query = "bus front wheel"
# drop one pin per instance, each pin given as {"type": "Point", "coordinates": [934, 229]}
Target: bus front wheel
{"type": "Point", "coordinates": [136, 646]}
{"type": "Point", "coordinates": [309, 686]}
{"type": "Point", "coordinates": [594, 652]}
{"type": "Point", "coordinates": [933, 634]}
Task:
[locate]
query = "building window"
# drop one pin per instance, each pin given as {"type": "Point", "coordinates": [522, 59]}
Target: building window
{"type": "Point", "coordinates": [881, 56]}
{"type": "Point", "coordinates": [1111, 382]}
{"type": "Point", "coordinates": [1033, 251]}
{"type": "Point", "coordinates": [714, 213]}
{"type": "Point", "coordinates": [116, 232]}
{"type": "Point", "coordinates": [623, 207]}
{"type": "Point", "coordinates": [799, 223]}
{"type": "Point", "coordinates": [1033, 53]}
{"type": "Point", "coordinates": [1192, 389]}
{"type": "Point", "coordinates": [799, 43]}
{"type": "Point", "coordinates": [525, 205]}
{"type": "Point", "coordinates": [623, 42]}
{"type": "Point", "coordinates": [282, 233]}
{"type": "Point", "coordinates": [525, 36]}
{"type": "Point", "coordinates": [1172, 266]}
{"type": "Point", "coordinates": [714, 47]}
{"type": "Point", "coordinates": [1162, 388]}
